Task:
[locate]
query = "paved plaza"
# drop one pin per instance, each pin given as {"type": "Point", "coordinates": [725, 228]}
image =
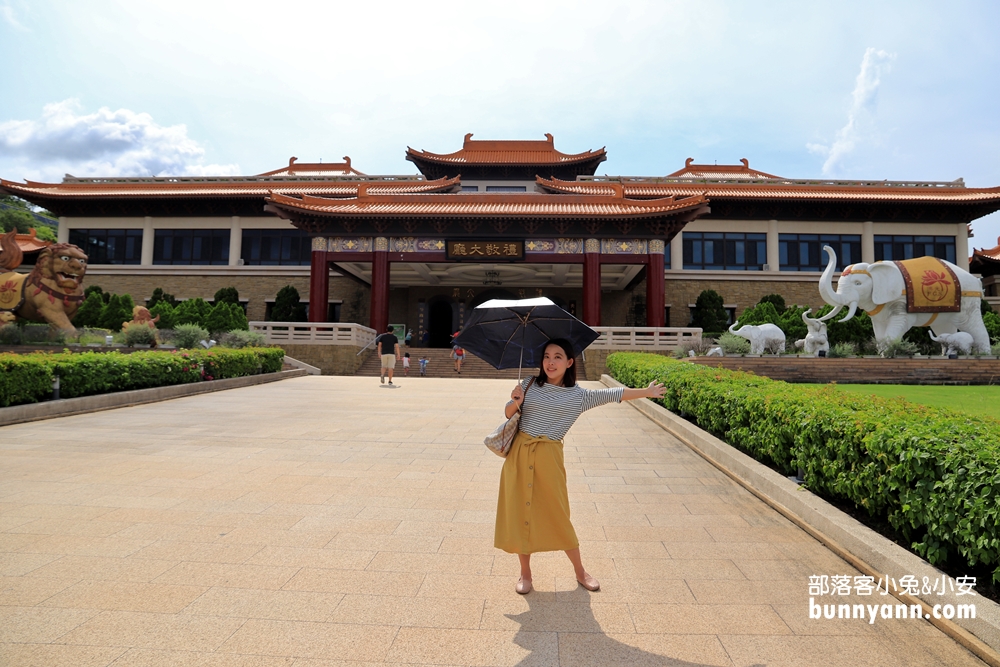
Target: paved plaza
{"type": "Point", "coordinates": [333, 521]}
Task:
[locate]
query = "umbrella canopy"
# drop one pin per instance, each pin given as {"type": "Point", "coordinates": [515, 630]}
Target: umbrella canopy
{"type": "Point", "coordinates": [512, 334]}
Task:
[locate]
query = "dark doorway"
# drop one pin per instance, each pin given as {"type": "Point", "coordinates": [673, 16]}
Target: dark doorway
{"type": "Point", "coordinates": [440, 319]}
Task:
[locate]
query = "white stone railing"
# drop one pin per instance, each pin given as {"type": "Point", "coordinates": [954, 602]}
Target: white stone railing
{"type": "Point", "coordinates": [315, 333]}
{"type": "Point", "coordinates": [644, 338]}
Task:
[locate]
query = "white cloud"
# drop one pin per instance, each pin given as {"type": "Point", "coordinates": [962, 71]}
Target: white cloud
{"type": "Point", "coordinates": [8, 14]}
{"type": "Point", "coordinates": [874, 65]}
{"type": "Point", "coordinates": [104, 143]}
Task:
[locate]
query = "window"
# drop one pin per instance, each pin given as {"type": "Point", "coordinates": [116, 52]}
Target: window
{"type": "Point", "coordinates": [191, 246]}
{"type": "Point", "coordinates": [506, 188]}
{"type": "Point", "coordinates": [276, 247]}
{"type": "Point", "coordinates": [109, 246]}
{"type": "Point", "coordinates": [908, 247]}
{"type": "Point", "coordinates": [804, 252]}
{"type": "Point", "coordinates": [724, 251]}
{"type": "Point", "coordinates": [470, 188]}
{"type": "Point", "coordinates": [666, 259]}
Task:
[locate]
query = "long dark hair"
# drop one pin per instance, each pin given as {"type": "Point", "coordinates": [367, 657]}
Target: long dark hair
{"type": "Point", "coordinates": [569, 379]}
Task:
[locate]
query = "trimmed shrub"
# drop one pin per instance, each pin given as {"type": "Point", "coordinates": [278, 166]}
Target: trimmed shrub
{"type": "Point", "coordinates": [992, 322]}
{"type": "Point", "coordinates": [843, 350]}
{"type": "Point", "coordinates": [898, 348]}
{"type": "Point", "coordinates": [89, 314]}
{"type": "Point", "coordinates": [238, 338]}
{"type": "Point", "coordinates": [23, 378]}
{"type": "Point", "coordinates": [159, 296]}
{"type": "Point", "coordinates": [220, 319]}
{"type": "Point", "coordinates": [192, 311]}
{"type": "Point", "coordinates": [288, 306]}
{"type": "Point", "coordinates": [763, 313]}
{"type": "Point", "coordinates": [188, 336]}
{"type": "Point", "coordinates": [27, 378]}
{"type": "Point", "coordinates": [933, 475]}
{"type": "Point", "coordinates": [239, 317]}
{"type": "Point", "coordinates": [167, 314]}
{"type": "Point", "coordinates": [116, 312]}
{"type": "Point", "coordinates": [709, 312]}
{"type": "Point", "coordinates": [776, 299]}
{"type": "Point", "coordinates": [227, 295]}
{"type": "Point", "coordinates": [10, 334]}
{"type": "Point", "coordinates": [733, 344]}
{"type": "Point", "coordinates": [139, 334]}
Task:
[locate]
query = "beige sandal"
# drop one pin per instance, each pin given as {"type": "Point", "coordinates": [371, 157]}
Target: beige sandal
{"type": "Point", "coordinates": [523, 587]}
{"type": "Point", "coordinates": [590, 583]}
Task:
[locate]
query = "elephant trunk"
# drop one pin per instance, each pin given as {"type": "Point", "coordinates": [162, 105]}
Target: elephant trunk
{"type": "Point", "coordinates": [830, 315]}
{"type": "Point", "coordinates": [731, 327]}
{"type": "Point", "coordinates": [933, 337]}
{"type": "Point", "coordinates": [826, 281]}
{"type": "Point", "coordinates": [850, 313]}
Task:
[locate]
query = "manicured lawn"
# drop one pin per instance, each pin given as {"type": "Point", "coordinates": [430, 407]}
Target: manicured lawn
{"type": "Point", "coordinates": [983, 401]}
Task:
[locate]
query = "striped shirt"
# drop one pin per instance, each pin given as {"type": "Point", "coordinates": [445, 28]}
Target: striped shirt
{"type": "Point", "coordinates": [550, 410]}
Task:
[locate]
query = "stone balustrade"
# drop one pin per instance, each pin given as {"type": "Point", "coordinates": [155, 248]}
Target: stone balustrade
{"type": "Point", "coordinates": [644, 338]}
{"type": "Point", "coordinates": [315, 333]}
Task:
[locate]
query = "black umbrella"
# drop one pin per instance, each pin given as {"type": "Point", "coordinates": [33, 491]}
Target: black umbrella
{"type": "Point", "coordinates": [512, 334]}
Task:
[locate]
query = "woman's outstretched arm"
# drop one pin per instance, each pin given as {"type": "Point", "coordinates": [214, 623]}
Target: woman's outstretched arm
{"type": "Point", "coordinates": [654, 390]}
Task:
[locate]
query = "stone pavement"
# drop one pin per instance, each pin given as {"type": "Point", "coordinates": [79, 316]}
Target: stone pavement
{"type": "Point", "coordinates": [330, 521]}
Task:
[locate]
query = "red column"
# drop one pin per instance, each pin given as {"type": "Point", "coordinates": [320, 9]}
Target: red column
{"type": "Point", "coordinates": [592, 283]}
{"type": "Point", "coordinates": [379, 319]}
{"type": "Point", "coordinates": [319, 284]}
{"type": "Point", "coordinates": [655, 298]}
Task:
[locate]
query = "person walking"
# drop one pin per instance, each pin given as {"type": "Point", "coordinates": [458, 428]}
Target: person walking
{"type": "Point", "coordinates": [533, 503]}
{"type": "Point", "coordinates": [388, 352]}
{"type": "Point", "coordinates": [458, 354]}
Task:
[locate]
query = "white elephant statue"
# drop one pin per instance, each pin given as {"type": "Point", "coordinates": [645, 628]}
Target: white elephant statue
{"type": "Point", "coordinates": [956, 343]}
{"type": "Point", "coordinates": [762, 337]}
{"type": "Point", "coordinates": [880, 290]}
{"type": "Point", "coordinates": [817, 338]}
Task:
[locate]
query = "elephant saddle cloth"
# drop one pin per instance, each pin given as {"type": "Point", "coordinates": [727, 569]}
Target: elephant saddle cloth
{"type": "Point", "coordinates": [12, 290]}
{"type": "Point", "coordinates": [931, 286]}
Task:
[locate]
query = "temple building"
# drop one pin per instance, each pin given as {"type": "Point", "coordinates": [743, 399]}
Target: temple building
{"type": "Point", "coordinates": [500, 219]}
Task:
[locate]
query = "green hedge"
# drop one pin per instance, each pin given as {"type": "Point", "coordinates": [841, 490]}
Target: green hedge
{"type": "Point", "coordinates": [27, 378]}
{"type": "Point", "coordinates": [934, 475]}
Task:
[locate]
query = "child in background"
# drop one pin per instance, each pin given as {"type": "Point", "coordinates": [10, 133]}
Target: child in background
{"type": "Point", "coordinates": [406, 364]}
{"type": "Point", "coordinates": [423, 366]}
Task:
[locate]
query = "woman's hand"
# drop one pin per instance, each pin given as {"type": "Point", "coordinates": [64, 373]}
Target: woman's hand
{"type": "Point", "coordinates": [516, 398]}
{"type": "Point", "coordinates": [655, 390]}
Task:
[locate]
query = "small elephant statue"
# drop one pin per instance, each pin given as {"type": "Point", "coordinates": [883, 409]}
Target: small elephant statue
{"type": "Point", "coordinates": [817, 339]}
{"type": "Point", "coordinates": [954, 343]}
{"type": "Point", "coordinates": [762, 337]}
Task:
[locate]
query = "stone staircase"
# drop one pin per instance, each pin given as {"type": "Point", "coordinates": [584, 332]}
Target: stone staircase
{"type": "Point", "coordinates": [441, 365]}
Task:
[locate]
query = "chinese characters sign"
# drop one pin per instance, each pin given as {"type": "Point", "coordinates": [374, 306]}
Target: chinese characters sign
{"type": "Point", "coordinates": [477, 251]}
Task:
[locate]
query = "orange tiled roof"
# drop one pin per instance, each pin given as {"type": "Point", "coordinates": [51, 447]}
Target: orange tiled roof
{"type": "Point", "coordinates": [489, 205]}
{"type": "Point", "coordinates": [992, 254]}
{"type": "Point", "coordinates": [236, 186]}
{"type": "Point", "coordinates": [780, 189]}
{"type": "Point", "coordinates": [503, 152]}
{"type": "Point", "coordinates": [720, 171]}
{"type": "Point", "coordinates": [315, 169]}
{"type": "Point", "coordinates": [29, 242]}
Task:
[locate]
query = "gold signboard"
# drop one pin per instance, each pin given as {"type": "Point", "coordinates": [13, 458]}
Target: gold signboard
{"type": "Point", "coordinates": [493, 250]}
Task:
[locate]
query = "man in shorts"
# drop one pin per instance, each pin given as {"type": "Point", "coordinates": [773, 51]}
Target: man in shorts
{"type": "Point", "coordinates": [388, 352]}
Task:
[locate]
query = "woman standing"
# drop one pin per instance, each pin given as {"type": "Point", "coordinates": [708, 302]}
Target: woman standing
{"type": "Point", "coordinates": [533, 507]}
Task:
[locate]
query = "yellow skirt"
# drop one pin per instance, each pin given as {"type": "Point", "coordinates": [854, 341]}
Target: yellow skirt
{"type": "Point", "coordinates": [533, 507]}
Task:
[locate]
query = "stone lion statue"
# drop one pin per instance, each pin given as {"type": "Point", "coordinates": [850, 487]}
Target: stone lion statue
{"type": "Point", "coordinates": [52, 292]}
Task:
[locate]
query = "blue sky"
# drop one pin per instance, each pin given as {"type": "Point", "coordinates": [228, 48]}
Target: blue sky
{"type": "Point", "coordinates": [891, 90]}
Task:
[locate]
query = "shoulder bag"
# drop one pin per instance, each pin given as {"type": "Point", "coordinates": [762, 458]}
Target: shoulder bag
{"type": "Point", "coordinates": [502, 437]}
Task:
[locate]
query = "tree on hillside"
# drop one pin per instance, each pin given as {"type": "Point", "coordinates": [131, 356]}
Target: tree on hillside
{"type": "Point", "coordinates": [16, 214]}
